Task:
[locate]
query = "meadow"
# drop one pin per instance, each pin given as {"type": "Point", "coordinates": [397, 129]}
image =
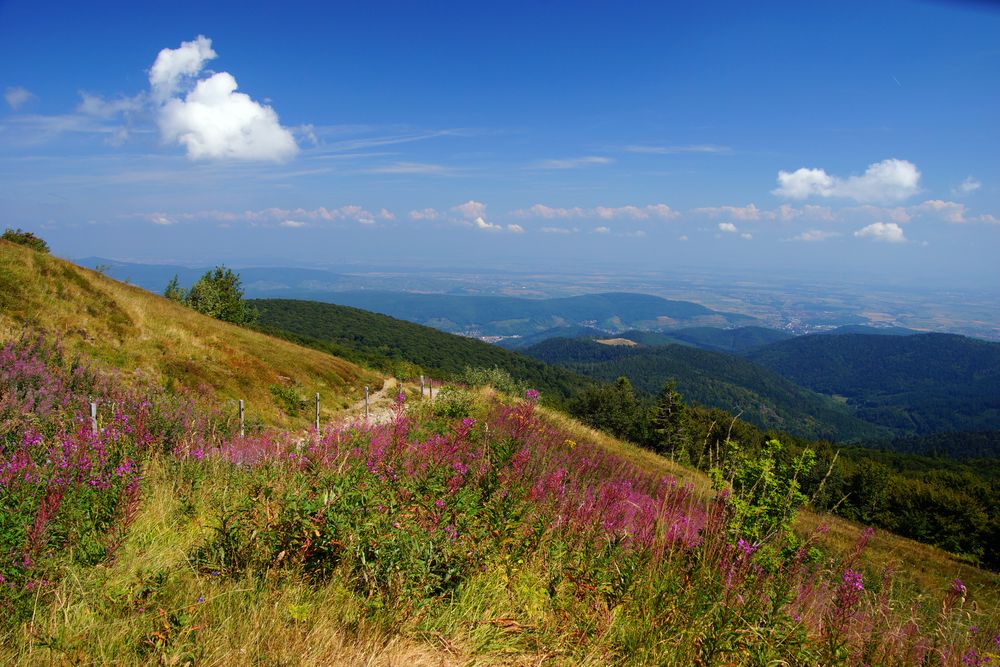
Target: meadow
{"type": "Point", "coordinates": [477, 529]}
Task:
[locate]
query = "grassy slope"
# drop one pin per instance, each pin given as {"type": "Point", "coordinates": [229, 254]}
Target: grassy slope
{"type": "Point", "coordinates": [130, 329]}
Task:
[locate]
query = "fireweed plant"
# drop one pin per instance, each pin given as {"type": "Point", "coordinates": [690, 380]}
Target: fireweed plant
{"type": "Point", "coordinates": [442, 513]}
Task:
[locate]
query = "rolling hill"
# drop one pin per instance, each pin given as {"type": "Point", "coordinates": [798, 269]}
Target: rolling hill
{"type": "Point", "coordinates": [921, 384]}
{"type": "Point", "coordinates": [376, 339]}
{"type": "Point", "coordinates": [714, 379]}
{"type": "Point", "coordinates": [128, 328]}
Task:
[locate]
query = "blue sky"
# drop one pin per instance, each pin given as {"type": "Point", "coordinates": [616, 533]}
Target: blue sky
{"type": "Point", "coordinates": [854, 137]}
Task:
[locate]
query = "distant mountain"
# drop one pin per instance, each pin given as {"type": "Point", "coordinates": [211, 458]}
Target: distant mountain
{"type": "Point", "coordinates": [558, 332]}
{"type": "Point", "coordinates": [875, 331]}
{"type": "Point", "coordinates": [506, 316]}
{"type": "Point", "coordinates": [922, 383]}
{"type": "Point", "coordinates": [736, 340]}
{"type": "Point", "coordinates": [373, 339]}
{"type": "Point", "coordinates": [714, 379]}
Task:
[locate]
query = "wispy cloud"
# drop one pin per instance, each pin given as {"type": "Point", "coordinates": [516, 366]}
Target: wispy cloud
{"type": "Point", "coordinates": [672, 150]}
{"type": "Point", "coordinates": [814, 235]}
{"type": "Point", "coordinates": [571, 163]}
{"type": "Point", "coordinates": [967, 187]}
{"type": "Point", "coordinates": [748, 212]}
{"type": "Point", "coordinates": [17, 96]}
{"type": "Point", "coordinates": [417, 168]}
{"type": "Point", "coordinates": [650, 211]}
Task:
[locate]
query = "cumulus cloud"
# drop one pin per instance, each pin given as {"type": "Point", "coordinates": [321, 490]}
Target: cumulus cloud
{"type": "Point", "coordinates": [888, 232]}
{"type": "Point", "coordinates": [571, 163]}
{"type": "Point", "coordinates": [727, 227]}
{"type": "Point", "coordinates": [386, 214]}
{"type": "Point", "coordinates": [294, 224]}
{"type": "Point", "coordinates": [950, 211]}
{"type": "Point", "coordinates": [471, 209]}
{"type": "Point", "coordinates": [968, 186]}
{"type": "Point", "coordinates": [17, 96]}
{"type": "Point", "coordinates": [989, 219]}
{"type": "Point", "coordinates": [516, 229]}
{"type": "Point", "coordinates": [814, 235]}
{"type": "Point", "coordinates": [481, 223]}
{"type": "Point", "coordinates": [425, 214]}
{"type": "Point", "coordinates": [548, 212]}
{"type": "Point", "coordinates": [602, 230]}
{"type": "Point", "coordinates": [788, 212]}
{"type": "Point", "coordinates": [886, 181]}
{"type": "Point", "coordinates": [213, 120]}
{"type": "Point", "coordinates": [746, 235]}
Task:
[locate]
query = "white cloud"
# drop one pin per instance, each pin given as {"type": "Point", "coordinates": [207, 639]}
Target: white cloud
{"type": "Point", "coordinates": [815, 235]}
{"type": "Point", "coordinates": [950, 211]}
{"type": "Point", "coordinates": [558, 230]}
{"type": "Point", "coordinates": [885, 181]}
{"type": "Point", "coordinates": [548, 212]}
{"type": "Point", "coordinates": [213, 121]}
{"type": "Point", "coordinates": [294, 224]}
{"type": "Point", "coordinates": [386, 214]}
{"type": "Point", "coordinates": [727, 227]}
{"type": "Point", "coordinates": [787, 212]}
{"type": "Point", "coordinates": [896, 214]}
{"type": "Point", "coordinates": [647, 212]}
{"type": "Point", "coordinates": [480, 223]}
{"type": "Point", "coordinates": [888, 232]}
{"type": "Point", "coordinates": [571, 163]}
{"type": "Point", "coordinates": [95, 105]}
{"type": "Point", "coordinates": [748, 212]}
{"type": "Point", "coordinates": [968, 186]}
{"type": "Point", "coordinates": [989, 218]}
{"type": "Point", "coordinates": [174, 65]}
{"type": "Point", "coordinates": [471, 209]}
{"type": "Point", "coordinates": [637, 234]}
{"type": "Point", "coordinates": [161, 219]}
{"type": "Point", "coordinates": [669, 150]}
{"type": "Point", "coordinates": [17, 96]}
{"type": "Point", "coordinates": [515, 229]}
{"type": "Point", "coordinates": [602, 230]}
{"type": "Point", "coordinates": [746, 235]}
{"type": "Point", "coordinates": [425, 214]}
{"type": "Point", "coordinates": [419, 168]}
{"type": "Point", "coordinates": [682, 237]}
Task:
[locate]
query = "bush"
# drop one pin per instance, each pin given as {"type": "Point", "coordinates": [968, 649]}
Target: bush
{"type": "Point", "coordinates": [21, 237]}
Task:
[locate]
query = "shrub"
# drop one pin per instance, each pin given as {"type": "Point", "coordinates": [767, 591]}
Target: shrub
{"type": "Point", "coordinates": [24, 238]}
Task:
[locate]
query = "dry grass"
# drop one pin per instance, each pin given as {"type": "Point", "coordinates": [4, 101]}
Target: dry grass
{"type": "Point", "coordinates": [131, 329]}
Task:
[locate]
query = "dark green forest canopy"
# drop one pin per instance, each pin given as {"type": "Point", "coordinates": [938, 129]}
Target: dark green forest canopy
{"type": "Point", "coordinates": [381, 340]}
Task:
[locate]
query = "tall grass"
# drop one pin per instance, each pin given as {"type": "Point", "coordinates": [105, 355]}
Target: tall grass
{"type": "Point", "coordinates": [457, 532]}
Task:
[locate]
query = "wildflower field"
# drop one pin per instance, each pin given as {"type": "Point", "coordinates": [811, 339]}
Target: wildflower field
{"type": "Point", "coordinates": [470, 530]}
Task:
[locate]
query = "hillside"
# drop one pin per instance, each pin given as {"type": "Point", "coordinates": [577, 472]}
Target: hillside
{"type": "Point", "coordinates": [921, 384]}
{"type": "Point", "coordinates": [507, 316]}
{"type": "Point", "coordinates": [712, 379]}
{"type": "Point", "coordinates": [738, 340]}
{"type": "Point", "coordinates": [130, 329]}
{"type": "Point", "coordinates": [372, 335]}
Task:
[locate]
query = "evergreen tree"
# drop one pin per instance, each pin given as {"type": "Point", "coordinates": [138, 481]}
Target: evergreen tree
{"type": "Point", "coordinates": [174, 291]}
{"type": "Point", "coordinates": [670, 424]}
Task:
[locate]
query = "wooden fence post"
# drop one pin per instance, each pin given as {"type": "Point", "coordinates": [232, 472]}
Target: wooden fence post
{"type": "Point", "coordinates": [421, 387]}
{"type": "Point", "coordinates": [430, 388]}
{"type": "Point", "coordinates": [242, 430]}
{"type": "Point", "coordinates": [93, 417]}
{"type": "Point", "coordinates": [317, 412]}
{"type": "Point", "coordinates": [366, 401]}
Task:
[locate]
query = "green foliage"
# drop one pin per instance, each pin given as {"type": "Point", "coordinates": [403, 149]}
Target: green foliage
{"type": "Point", "coordinates": [765, 492]}
{"type": "Point", "coordinates": [24, 238]}
{"type": "Point", "coordinates": [670, 430]}
{"type": "Point", "coordinates": [920, 384]}
{"type": "Point", "coordinates": [289, 399]}
{"type": "Point", "coordinates": [399, 347]}
{"type": "Point", "coordinates": [174, 291]}
{"type": "Point", "coordinates": [712, 378]}
{"type": "Point", "coordinates": [219, 294]}
{"type": "Point", "coordinates": [498, 378]}
{"type": "Point", "coordinates": [613, 408]}
{"type": "Point", "coordinates": [453, 403]}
